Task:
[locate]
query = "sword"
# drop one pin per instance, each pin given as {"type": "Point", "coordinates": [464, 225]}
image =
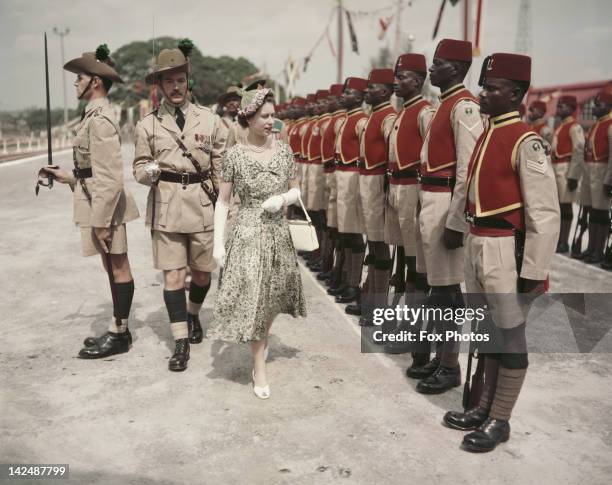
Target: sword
{"type": "Point", "coordinates": [48, 176]}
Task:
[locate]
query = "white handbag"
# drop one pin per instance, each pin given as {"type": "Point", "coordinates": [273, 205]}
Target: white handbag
{"type": "Point", "coordinates": [303, 233]}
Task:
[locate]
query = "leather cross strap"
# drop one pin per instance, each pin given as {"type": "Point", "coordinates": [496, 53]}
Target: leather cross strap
{"type": "Point", "coordinates": [212, 195]}
{"type": "Point", "coordinates": [85, 173]}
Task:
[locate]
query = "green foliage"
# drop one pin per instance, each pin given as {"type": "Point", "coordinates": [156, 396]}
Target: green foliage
{"type": "Point", "coordinates": [186, 46]}
{"type": "Point", "coordinates": [32, 120]}
{"type": "Point", "coordinates": [211, 75]}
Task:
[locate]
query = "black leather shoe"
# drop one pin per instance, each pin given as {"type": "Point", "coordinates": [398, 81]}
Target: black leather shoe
{"type": "Point", "coordinates": [178, 362]}
{"type": "Point", "coordinates": [353, 309]}
{"type": "Point", "coordinates": [350, 293]}
{"type": "Point", "coordinates": [442, 380]}
{"type": "Point", "coordinates": [466, 421]}
{"type": "Point", "coordinates": [581, 255]}
{"type": "Point", "coordinates": [91, 341]}
{"type": "Point", "coordinates": [423, 371]}
{"type": "Point", "coordinates": [325, 275]}
{"type": "Point", "coordinates": [312, 262]}
{"type": "Point", "coordinates": [195, 329]}
{"type": "Point", "coordinates": [109, 344]}
{"type": "Point", "coordinates": [593, 258]}
{"type": "Point", "coordinates": [562, 247]}
{"type": "Point", "coordinates": [488, 435]}
{"type": "Point", "coordinates": [335, 291]}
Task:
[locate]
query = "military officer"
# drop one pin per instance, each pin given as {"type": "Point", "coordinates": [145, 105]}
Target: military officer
{"type": "Point", "coordinates": [511, 202]}
{"type": "Point", "coordinates": [405, 145]}
{"type": "Point", "coordinates": [568, 158]}
{"type": "Point", "coordinates": [348, 203]}
{"type": "Point", "coordinates": [374, 150]}
{"type": "Point", "coordinates": [101, 204]}
{"type": "Point", "coordinates": [178, 153]}
{"type": "Point", "coordinates": [447, 147]}
{"type": "Point", "coordinates": [593, 196]}
{"type": "Point", "coordinates": [537, 120]}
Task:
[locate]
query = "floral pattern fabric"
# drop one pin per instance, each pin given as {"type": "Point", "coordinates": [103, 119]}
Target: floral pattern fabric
{"type": "Point", "coordinates": [261, 277]}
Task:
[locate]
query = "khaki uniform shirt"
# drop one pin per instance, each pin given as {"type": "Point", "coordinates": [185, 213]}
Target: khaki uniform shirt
{"type": "Point", "coordinates": [97, 145]}
{"type": "Point", "coordinates": [577, 161]}
{"type": "Point", "coordinates": [467, 127]}
{"type": "Point", "coordinates": [178, 208]}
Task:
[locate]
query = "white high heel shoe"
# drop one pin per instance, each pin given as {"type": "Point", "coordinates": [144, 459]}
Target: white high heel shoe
{"type": "Point", "coordinates": [260, 392]}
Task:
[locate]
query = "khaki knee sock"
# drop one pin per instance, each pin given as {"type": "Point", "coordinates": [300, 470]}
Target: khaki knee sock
{"type": "Point", "coordinates": [507, 390]}
{"type": "Point", "coordinates": [490, 380]}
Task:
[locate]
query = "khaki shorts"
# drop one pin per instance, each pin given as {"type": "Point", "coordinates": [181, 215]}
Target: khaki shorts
{"type": "Point", "coordinates": [348, 202]}
{"type": "Point", "coordinates": [315, 188]}
{"type": "Point", "coordinates": [592, 183]}
{"type": "Point", "coordinates": [443, 266]}
{"type": "Point", "coordinates": [372, 193]}
{"type": "Point", "coordinates": [400, 217]}
{"type": "Point", "coordinates": [332, 199]}
{"type": "Point", "coordinates": [173, 250]}
{"type": "Point", "coordinates": [90, 245]}
{"type": "Point", "coordinates": [565, 196]}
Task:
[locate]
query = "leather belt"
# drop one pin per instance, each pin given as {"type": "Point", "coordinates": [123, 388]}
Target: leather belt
{"type": "Point", "coordinates": [488, 222]}
{"type": "Point", "coordinates": [329, 164]}
{"type": "Point", "coordinates": [184, 178]}
{"type": "Point", "coordinates": [403, 174]}
{"type": "Point", "coordinates": [437, 181]}
{"type": "Point", "coordinates": [82, 173]}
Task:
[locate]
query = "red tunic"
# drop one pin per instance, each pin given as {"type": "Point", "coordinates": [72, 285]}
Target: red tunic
{"type": "Point", "coordinates": [597, 147]}
{"type": "Point", "coordinates": [314, 144]}
{"type": "Point", "coordinates": [441, 151]}
{"type": "Point", "coordinates": [328, 142]}
{"type": "Point", "coordinates": [493, 170]}
{"type": "Point", "coordinates": [295, 140]}
{"type": "Point", "coordinates": [349, 141]}
{"type": "Point", "coordinates": [375, 143]}
{"type": "Point", "coordinates": [408, 140]}
{"type": "Point", "coordinates": [563, 148]}
{"type": "Point", "coordinates": [306, 138]}
{"type": "Point", "coordinates": [538, 126]}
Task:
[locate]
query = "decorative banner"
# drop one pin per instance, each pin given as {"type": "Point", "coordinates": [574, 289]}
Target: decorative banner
{"type": "Point", "coordinates": [384, 25]}
{"type": "Point", "coordinates": [438, 20]}
{"type": "Point", "coordinates": [476, 50]}
{"type": "Point", "coordinates": [349, 21]}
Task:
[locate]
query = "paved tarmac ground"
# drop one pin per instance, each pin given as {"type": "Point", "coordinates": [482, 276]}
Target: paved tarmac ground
{"type": "Point", "coordinates": [335, 415]}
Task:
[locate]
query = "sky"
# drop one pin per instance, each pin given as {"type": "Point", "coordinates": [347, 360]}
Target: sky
{"type": "Point", "coordinates": [570, 39]}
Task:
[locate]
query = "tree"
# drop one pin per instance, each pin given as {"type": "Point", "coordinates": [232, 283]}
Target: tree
{"type": "Point", "coordinates": [211, 75]}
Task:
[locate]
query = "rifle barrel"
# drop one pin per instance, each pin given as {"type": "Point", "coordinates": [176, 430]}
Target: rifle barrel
{"type": "Point", "coordinates": [49, 150]}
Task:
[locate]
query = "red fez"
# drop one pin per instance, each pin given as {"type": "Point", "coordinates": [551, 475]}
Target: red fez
{"type": "Point", "coordinates": [381, 76]}
{"type": "Point", "coordinates": [322, 94]}
{"type": "Point", "coordinates": [605, 96]}
{"type": "Point", "coordinates": [514, 67]}
{"type": "Point", "coordinates": [336, 89]}
{"type": "Point", "coordinates": [539, 104]}
{"type": "Point", "coordinates": [355, 83]}
{"type": "Point", "coordinates": [411, 62]}
{"type": "Point", "coordinates": [299, 101]}
{"type": "Point", "coordinates": [454, 50]}
{"type": "Point", "coordinates": [311, 98]}
{"type": "Point", "coordinates": [569, 100]}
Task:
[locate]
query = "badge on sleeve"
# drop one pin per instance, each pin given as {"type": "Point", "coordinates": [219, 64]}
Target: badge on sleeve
{"type": "Point", "coordinates": [536, 159]}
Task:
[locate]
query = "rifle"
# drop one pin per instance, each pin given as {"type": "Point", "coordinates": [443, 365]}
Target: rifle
{"type": "Point", "coordinates": [581, 227]}
{"type": "Point", "coordinates": [48, 176]}
{"type": "Point", "coordinates": [607, 260]}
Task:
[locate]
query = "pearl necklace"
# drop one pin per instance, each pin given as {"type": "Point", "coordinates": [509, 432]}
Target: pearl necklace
{"type": "Point", "coordinates": [259, 148]}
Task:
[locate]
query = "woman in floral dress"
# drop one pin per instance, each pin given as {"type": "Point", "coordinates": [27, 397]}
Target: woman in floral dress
{"type": "Point", "coordinates": [261, 277]}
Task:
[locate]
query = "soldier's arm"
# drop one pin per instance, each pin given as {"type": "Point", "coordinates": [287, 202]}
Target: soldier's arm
{"type": "Point", "coordinates": [387, 126]}
{"type": "Point", "coordinates": [220, 134]}
{"type": "Point", "coordinates": [547, 134]}
{"type": "Point", "coordinates": [577, 160]}
{"type": "Point", "coordinates": [143, 154]}
{"type": "Point", "coordinates": [467, 127]}
{"type": "Point", "coordinates": [541, 208]}
{"type": "Point", "coordinates": [608, 177]}
{"type": "Point", "coordinates": [425, 117]}
{"type": "Point", "coordinates": [107, 170]}
{"type": "Point", "coordinates": [360, 127]}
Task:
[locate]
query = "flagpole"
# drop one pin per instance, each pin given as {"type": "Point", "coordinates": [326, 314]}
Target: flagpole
{"type": "Point", "coordinates": [339, 76]}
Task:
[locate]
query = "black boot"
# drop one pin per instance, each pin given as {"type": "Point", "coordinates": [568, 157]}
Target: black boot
{"type": "Point", "coordinates": [178, 362]}
{"type": "Point", "coordinates": [400, 347]}
{"type": "Point", "coordinates": [325, 275]}
{"type": "Point", "coordinates": [336, 291]}
{"type": "Point", "coordinates": [488, 435]}
{"type": "Point", "coordinates": [424, 370]}
{"type": "Point", "coordinates": [91, 341]}
{"type": "Point", "coordinates": [195, 329]}
{"type": "Point", "coordinates": [466, 421]}
{"type": "Point", "coordinates": [562, 247]}
{"type": "Point", "coordinates": [442, 380]}
{"type": "Point", "coordinates": [109, 344]}
{"type": "Point", "coordinates": [350, 293]}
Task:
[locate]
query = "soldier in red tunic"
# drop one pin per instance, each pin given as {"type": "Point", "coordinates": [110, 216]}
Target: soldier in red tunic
{"type": "Point", "coordinates": [537, 120]}
{"type": "Point", "coordinates": [593, 197]}
{"type": "Point", "coordinates": [374, 153]}
{"type": "Point", "coordinates": [511, 202]}
{"type": "Point", "coordinates": [446, 151]}
{"type": "Point", "coordinates": [405, 145]}
{"type": "Point", "coordinates": [567, 158]}
{"type": "Point", "coordinates": [350, 218]}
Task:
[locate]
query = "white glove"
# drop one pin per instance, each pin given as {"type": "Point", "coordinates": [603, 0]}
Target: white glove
{"type": "Point", "coordinates": [219, 222]}
{"type": "Point", "coordinates": [152, 170]}
{"type": "Point", "coordinates": [277, 202]}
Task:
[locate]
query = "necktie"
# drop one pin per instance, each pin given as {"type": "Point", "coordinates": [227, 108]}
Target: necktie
{"type": "Point", "coordinates": [180, 118]}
